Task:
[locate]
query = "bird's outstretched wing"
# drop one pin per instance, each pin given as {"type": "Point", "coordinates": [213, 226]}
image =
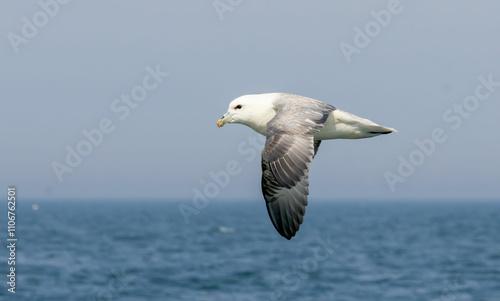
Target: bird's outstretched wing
{"type": "Point", "coordinates": [289, 149]}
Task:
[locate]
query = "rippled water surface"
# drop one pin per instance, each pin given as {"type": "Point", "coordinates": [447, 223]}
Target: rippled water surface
{"type": "Point", "coordinates": [357, 250]}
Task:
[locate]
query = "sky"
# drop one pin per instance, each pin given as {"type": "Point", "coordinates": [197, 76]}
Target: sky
{"type": "Point", "coordinates": [119, 99]}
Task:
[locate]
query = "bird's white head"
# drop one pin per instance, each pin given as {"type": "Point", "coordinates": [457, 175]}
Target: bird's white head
{"type": "Point", "coordinates": [254, 111]}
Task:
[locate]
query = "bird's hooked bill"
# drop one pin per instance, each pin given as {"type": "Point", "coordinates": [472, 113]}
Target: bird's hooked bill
{"type": "Point", "coordinates": [223, 120]}
{"type": "Point", "coordinates": [220, 123]}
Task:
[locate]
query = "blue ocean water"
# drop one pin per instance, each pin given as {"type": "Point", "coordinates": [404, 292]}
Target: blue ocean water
{"type": "Point", "coordinates": [349, 250]}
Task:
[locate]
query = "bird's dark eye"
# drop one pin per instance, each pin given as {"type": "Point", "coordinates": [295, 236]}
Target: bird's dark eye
{"type": "Point", "coordinates": [237, 107]}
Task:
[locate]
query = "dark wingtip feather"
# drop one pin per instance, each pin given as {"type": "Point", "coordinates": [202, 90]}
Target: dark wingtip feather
{"type": "Point", "coordinates": [380, 133]}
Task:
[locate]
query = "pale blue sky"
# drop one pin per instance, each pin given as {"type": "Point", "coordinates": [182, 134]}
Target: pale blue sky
{"type": "Point", "coordinates": [426, 60]}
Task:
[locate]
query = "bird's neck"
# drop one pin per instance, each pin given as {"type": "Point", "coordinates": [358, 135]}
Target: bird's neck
{"type": "Point", "coordinates": [259, 124]}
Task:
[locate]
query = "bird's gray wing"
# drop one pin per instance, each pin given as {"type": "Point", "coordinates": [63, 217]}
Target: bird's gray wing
{"type": "Point", "coordinates": [289, 149]}
{"type": "Point", "coordinates": [286, 207]}
{"type": "Point", "coordinates": [316, 146]}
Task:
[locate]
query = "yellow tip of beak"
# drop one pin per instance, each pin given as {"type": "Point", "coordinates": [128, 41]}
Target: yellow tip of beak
{"type": "Point", "coordinates": [220, 123]}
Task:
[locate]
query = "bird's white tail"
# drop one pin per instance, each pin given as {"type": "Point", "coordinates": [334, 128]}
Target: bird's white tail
{"type": "Point", "coordinates": [343, 125]}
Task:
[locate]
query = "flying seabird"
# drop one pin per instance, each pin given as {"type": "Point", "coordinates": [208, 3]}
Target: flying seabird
{"type": "Point", "coordinates": [294, 127]}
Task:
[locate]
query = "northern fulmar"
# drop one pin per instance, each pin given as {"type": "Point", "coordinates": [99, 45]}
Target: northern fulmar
{"type": "Point", "coordinates": [294, 127]}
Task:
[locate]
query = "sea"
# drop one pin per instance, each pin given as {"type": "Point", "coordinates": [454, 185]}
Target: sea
{"type": "Point", "coordinates": [228, 250]}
